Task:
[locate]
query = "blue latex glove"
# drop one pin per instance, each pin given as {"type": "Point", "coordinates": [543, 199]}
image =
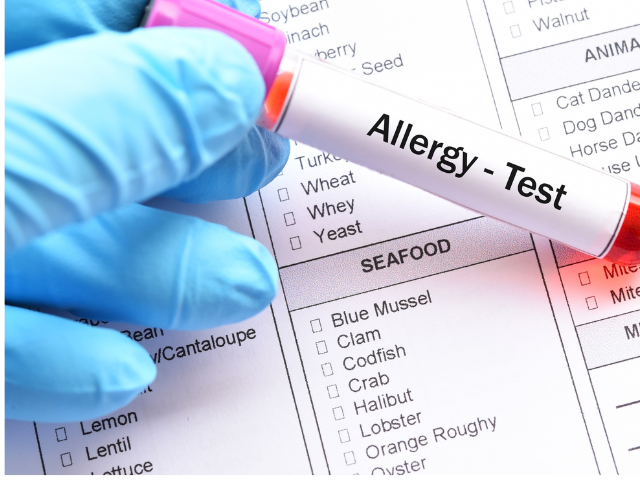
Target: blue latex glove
{"type": "Point", "coordinates": [94, 124]}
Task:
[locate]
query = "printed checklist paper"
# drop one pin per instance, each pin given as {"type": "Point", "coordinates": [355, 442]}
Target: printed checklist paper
{"type": "Point", "coordinates": [409, 335]}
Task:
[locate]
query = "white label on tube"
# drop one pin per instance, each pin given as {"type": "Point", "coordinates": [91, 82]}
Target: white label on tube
{"type": "Point", "coordinates": [479, 168]}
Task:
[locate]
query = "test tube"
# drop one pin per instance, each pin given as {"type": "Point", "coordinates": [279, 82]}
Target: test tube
{"type": "Point", "coordinates": [333, 109]}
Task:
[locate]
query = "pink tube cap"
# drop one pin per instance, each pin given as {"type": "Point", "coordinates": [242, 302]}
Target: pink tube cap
{"type": "Point", "coordinates": [265, 43]}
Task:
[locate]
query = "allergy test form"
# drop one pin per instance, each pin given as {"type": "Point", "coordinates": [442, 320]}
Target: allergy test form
{"type": "Point", "coordinates": [409, 335]}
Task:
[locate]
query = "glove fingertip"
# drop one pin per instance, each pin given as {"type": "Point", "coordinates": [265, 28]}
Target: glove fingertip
{"type": "Point", "coordinates": [237, 283]}
{"type": "Point", "coordinates": [280, 149]}
{"type": "Point", "coordinates": [57, 370]}
{"type": "Point", "coordinates": [129, 373]}
{"type": "Point", "coordinates": [270, 274]}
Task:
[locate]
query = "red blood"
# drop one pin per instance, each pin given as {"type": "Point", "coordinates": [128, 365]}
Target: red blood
{"type": "Point", "coordinates": [276, 97]}
{"type": "Point", "coordinates": [626, 248]}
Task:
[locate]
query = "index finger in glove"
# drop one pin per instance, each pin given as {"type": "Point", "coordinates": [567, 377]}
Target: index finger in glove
{"type": "Point", "coordinates": [145, 266]}
{"type": "Point", "coordinates": [95, 123]}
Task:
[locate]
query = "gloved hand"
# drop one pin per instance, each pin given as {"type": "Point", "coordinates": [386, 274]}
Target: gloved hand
{"type": "Point", "coordinates": [94, 124]}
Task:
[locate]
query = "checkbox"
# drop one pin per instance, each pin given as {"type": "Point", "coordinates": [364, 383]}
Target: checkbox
{"type": "Point", "coordinates": [591, 303]}
{"type": "Point", "coordinates": [344, 436]}
{"type": "Point", "coordinates": [508, 7]}
{"type": "Point", "coordinates": [338, 413]}
{"type": "Point", "coordinates": [289, 219]}
{"type": "Point", "coordinates": [537, 109]}
{"type": "Point", "coordinates": [515, 31]}
{"type": "Point", "coordinates": [327, 370]}
{"type": "Point", "coordinates": [333, 391]}
{"type": "Point", "coordinates": [349, 458]}
{"type": "Point", "coordinates": [283, 194]}
{"type": "Point", "coordinates": [316, 326]}
{"type": "Point", "coordinates": [584, 278]}
{"type": "Point", "coordinates": [61, 434]}
{"type": "Point", "coordinates": [321, 346]}
{"type": "Point", "coordinates": [65, 458]}
{"type": "Point", "coordinates": [295, 243]}
{"type": "Point", "coordinates": [544, 134]}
